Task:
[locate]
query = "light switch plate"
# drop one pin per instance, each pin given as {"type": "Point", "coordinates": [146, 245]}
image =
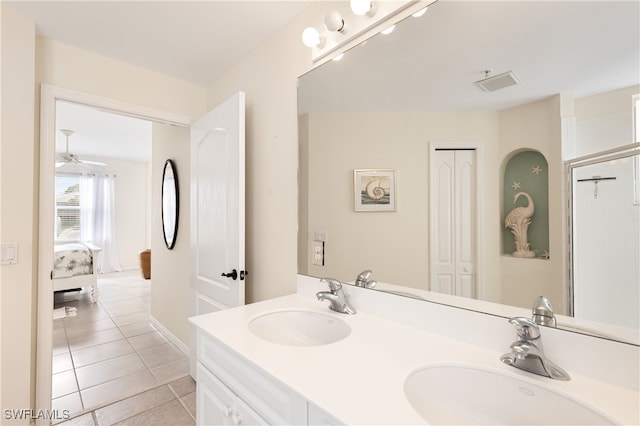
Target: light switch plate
{"type": "Point", "coordinates": [8, 254]}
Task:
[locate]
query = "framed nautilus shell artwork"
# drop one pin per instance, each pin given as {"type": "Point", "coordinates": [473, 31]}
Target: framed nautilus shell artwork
{"type": "Point", "coordinates": [374, 190]}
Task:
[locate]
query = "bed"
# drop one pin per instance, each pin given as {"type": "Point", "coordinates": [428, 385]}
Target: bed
{"type": "Point", "coordinates": [75, 265]}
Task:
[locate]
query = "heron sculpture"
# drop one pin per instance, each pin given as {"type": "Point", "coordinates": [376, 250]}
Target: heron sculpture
{"type": "Point", "coordinates": [518, 221]}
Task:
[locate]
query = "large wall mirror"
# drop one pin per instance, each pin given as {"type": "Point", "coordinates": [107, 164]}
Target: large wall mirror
{"type": "Point", "coordinates": [408, 102]}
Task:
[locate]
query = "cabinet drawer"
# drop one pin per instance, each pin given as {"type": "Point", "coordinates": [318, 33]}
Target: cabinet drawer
{"type": "Point", "coordinates": [277, 403]}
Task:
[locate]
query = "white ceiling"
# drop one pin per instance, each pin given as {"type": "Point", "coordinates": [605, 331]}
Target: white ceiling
{"type": "Point", "coordinates": [431, 63]}
{"type": "Point", "coordinates": [580, 47]}
{"type": "Point", "coordinates": [99, 134]}
{"type": "Point", "coordinates": [195, 41]}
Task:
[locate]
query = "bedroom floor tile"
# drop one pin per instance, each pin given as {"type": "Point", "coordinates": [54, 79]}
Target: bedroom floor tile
{"type": "Point", "coordinates": [111, 369]}
{"type": "Point", "coordinates": [171, 371]}
{"type": "Point", "coordinates": [61, 362]}
{"type": "Point", "coordinates": [118, 311]}
{"type": "Point", "coordinates": [161, 354]}
{"type": "Point", "coordinates": [156, 406]}
{"type": "Point", "coordinates": [110, 351]}
{"type": "Point", "coordinates": [95, 338]}
{"type": "Point", "coordinates": [132, 318]}
{"type": "Point", "coordinates": [134, 405]}
{"type": "Point", "coordinates": [170, 413]}
{"type": "Point", "coordinates": [147, 340]}
{"type": "Point", "coordinates": [71, 403]}
{"type": "Point", "coordinates": [63, 384]}
{"type": "Point", "coordinates": [118, 389]}
{"type": "Point", "coordinates": [97, 353]}
{"type": "Point", "coordinates": [183, 386]}
{"type": "Point", "coordinates": [90, 327]}
{"type": "Point", "coordinates": [137, 328]}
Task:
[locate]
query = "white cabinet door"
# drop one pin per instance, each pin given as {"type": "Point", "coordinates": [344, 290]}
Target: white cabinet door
{"type": "Point", "coordinates": [214, 402]}
{"type": "Point", "coordinates": [245, 415]}
{"type": "Point", "coordinates": [218, 405]}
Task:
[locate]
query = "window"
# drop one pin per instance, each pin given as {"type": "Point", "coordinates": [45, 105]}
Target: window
{"type": "Point", "coordinates": [67, 226]}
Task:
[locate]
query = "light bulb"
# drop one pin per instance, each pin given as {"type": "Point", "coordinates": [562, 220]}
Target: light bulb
{"type": "Point", "coordinates": [310, 37]}
{"type": "Point", "coordinates": [388, 30]}
{"type": "Point", "coordinates": [420, 12]}
{"type": "Point", "coordinates": [333, 21]}
{"type": "Point", "coordinates": [360, 7]}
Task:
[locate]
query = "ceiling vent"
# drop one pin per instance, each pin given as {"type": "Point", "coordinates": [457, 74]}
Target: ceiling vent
{"type": "Point", "coordinates": [497, 82]}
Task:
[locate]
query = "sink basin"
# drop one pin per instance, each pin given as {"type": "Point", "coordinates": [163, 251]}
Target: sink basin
{"type": "Point", "coordinates": [299, 328]}
{"type": "Point", "coordinates": [455, 394]}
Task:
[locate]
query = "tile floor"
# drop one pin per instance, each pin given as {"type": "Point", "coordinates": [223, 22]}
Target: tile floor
{"type": "Point", "coordinates": [109, 358]}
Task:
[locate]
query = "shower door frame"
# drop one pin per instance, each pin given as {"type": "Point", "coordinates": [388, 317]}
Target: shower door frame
{"type": "Point", "coordinates": [587, 160]}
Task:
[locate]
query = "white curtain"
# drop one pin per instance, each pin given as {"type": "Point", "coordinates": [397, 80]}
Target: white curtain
{"type": "Point", "coordinates": [97, 218]}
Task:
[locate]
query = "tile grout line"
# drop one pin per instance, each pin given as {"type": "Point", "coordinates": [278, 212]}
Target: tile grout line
{"type": "Point", "coordinates": [182, 402]}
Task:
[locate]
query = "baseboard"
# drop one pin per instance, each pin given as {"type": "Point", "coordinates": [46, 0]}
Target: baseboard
{"type": "Point", "coordinates": [172, 337]}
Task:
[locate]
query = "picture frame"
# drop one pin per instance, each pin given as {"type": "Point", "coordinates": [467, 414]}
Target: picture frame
{"type": "Point", "coordinates": [374, 190]}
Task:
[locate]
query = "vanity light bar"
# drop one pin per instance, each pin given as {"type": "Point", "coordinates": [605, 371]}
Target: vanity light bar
{"type": "Point", "coordinates": [357, 25]}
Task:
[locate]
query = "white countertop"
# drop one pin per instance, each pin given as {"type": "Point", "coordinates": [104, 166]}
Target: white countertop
{"type": "Point", "coordinates": [360, 379]}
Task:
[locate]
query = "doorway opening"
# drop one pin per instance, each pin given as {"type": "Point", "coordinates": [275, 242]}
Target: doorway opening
{"type": "Point", "coordinates": [53, 101]}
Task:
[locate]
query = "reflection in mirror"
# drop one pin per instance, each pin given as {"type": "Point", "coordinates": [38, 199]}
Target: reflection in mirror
{"type": "Point", "coordinates": [397, 100]}
{"type": "Point", "coordinates": [170, 204]}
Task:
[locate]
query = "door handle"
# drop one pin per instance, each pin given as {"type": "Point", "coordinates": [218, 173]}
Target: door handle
{"type": "Point", "coordinates": [233, 275]}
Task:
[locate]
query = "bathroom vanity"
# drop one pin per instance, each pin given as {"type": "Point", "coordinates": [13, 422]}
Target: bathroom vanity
{"type": "Point", "coordinates": [291, 360]}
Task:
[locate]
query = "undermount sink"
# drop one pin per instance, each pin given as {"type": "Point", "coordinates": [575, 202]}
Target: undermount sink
{"type": "Point", "coordinates": [299, 328]}
{"type": "Point", "coordinates": [455, 394]}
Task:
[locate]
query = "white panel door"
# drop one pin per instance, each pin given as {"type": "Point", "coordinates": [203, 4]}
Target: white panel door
{"type": "Point", "coordinates": [217, 208]}
{"type": "Point", "coordinates": [454, 198]}
{"type": "Point", "coordinates": [444, 266]}
{"type": "Point", "coordinates": [465, 222]}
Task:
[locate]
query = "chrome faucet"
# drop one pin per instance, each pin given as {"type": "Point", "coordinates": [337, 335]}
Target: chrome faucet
{"type": "Point", "coordinates": [542, 312]}
{"type": "Point", "coordinates": [336, 297]}
{"type": "Point", "coordinates": [362, 280]}
{"type": "Point", "coordinates": [527, 354]}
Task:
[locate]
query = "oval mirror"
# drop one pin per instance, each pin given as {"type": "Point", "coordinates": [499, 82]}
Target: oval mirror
{"type": "Point", "coordinates": [170, 204]}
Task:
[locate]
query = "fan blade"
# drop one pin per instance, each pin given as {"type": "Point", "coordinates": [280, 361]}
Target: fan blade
{"type": "Point", "coordinates": [92, 163]}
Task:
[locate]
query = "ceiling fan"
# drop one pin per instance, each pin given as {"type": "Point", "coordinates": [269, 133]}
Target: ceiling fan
{"type": "Point", "coordinates": [67, 158]}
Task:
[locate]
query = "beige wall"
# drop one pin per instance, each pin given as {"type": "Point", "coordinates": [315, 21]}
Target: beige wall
{"type": "Point", "coordinates": [18, 211]}
{"type": "Point", "coordinates": [170, 269]}
{"type": "Point", "coordinates": [604, 121]}
{"type": "Point", "coordinates": [28, 61]}
{"type": "Point", "coordinates": [132, 210]}
{"type": "Point", "coordinates": [268, 77]}
{"type": "Point", "coordinates": [536, 126]}
{"type": "Point", "coordinates": [72, 68]}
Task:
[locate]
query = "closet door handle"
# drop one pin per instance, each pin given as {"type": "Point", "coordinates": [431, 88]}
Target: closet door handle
{"type": "Point", "coordinates": [233, 275]}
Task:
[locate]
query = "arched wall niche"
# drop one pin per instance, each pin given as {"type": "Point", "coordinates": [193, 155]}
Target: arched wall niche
{"type": "Point", "coordinates": [525, 205]}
